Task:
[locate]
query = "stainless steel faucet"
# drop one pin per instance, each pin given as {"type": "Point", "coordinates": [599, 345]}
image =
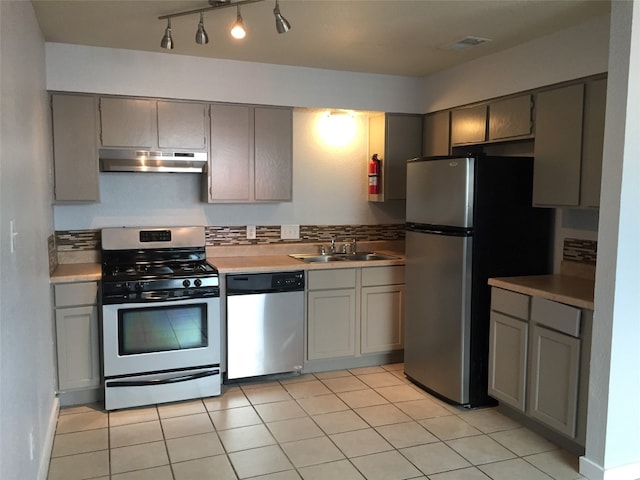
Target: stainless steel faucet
{"type": "Point", "coordinates": [350, 246]}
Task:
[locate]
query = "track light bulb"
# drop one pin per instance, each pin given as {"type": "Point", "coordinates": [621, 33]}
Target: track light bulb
{"type": "Point", "coordinates": [237, 30]}
{"type": "Point", "coordinates": [167, 41]}
{"type": "Point", "coordinates": [201, 35]}
{"type": "Point", "coordinates": [282, 26]}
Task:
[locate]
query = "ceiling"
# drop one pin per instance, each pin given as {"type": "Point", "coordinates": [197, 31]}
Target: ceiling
{"type": "Point", "coordinates": [398, 37]}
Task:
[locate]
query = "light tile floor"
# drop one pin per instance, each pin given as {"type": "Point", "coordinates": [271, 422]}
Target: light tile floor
{"type": "Point", "coordinates": [367, 423]}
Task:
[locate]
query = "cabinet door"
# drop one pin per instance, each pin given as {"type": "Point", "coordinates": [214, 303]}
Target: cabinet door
{"type": "Point", "coordinates": [553, 387]}
{"type": "Point", "coordinates": [128, 122]}
{"type": "Point", "coordinates": [182, 125]}
{"type": "Point", "coordinates": [230, 169]}
{"type": "Point", "coordinates": [75, 148]}
{"type": "Point", "coordinates": [435, 134]}
{"type": "Point", "coordinates": [403, 142]}
{"type": "Point", "coordinates": [510, 118]}
{"type": "Point", "coordinates": [382, 319]}
{"type": "Point", "coordinates": [273, 154]}
{"type": "Point", "coordinates": [558, 147]}
{"type": "Point", "coordinates": [77, 347]}
{"type": "Point", "coordinates": [331, 318]}
{"type": "Point", "coordinates": [508, 343]}
{"type": "Point", "coordinates": [595, 102]}
{"type": "Point", "coordinates": [469, 125]}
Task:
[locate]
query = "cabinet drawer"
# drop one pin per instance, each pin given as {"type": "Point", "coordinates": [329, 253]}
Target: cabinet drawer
{"type": "Point", "coordinates": [68, 294]}
{"type": "Point", "coordinates": [511, 303]}
{"type": "Point", "coordinates": [555, 315]}
{"type": "Point", "coordinates": [331, 279]}
{"type": "Point", "coordinates": [388, 275]}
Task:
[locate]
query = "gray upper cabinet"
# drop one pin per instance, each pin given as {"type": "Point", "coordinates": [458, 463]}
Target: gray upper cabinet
{"type": "Point", "coordinates": [469, 125]}
{"type": "Point", "coordinates": [128, 122]}
{"type": "Point", "coordinates": [251, 154]}
{"type": "Point", "coordinates": [436, 134]}
{"type": "Point", "coordinates": [568, 145]}
{"type": "Point", "coordinates": [396, 138]}
{"type": "Point", "coordinates": [153, 124]}
{"type": "Point", "coordinates": [75, 148]}
{"type": "Point", "coordinates": [182, 125]}
{"type": "Point", "coordinates": [510, 118]}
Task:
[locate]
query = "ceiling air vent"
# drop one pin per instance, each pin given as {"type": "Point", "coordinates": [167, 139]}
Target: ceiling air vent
{"type": "Point", "coordinates": [464, 43]}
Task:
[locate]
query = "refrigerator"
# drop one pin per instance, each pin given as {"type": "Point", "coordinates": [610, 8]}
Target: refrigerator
{"type": "Point", "coordinates": [468, 219]}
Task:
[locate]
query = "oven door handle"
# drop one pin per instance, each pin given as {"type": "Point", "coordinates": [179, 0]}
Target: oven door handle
{"type": "Point", "coordinates": [163, 381]}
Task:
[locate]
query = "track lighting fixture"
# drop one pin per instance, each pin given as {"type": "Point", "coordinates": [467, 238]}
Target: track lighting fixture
{"type": "Point", "coordinates": [282, 26]}
{"type": "Point", "coordinates": [201, 35]}
{"type": "Point", "coordinates": [167, 41]}
{"type": "Point", "coordinates": [237, 31]}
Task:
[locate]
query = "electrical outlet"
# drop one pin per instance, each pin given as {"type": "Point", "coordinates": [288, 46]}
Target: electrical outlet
{"type": "Point", "coordinates": [251, 232]}
{"type": "Point", "coordinates": [289, 232]}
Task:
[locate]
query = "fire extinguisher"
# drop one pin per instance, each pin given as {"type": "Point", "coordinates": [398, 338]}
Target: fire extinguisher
{"type": "Point", "coordinates": [374, 175]}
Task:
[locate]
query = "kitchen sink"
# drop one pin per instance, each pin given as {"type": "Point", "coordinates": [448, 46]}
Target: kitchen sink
{"type": "Point", "coordinates": [342, 257]}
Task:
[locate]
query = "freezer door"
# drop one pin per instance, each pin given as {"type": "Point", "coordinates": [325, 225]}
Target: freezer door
{"type": "Point", "coordinates": [437, 313]}
{"type": "Point", "coordinates": [440, 192]}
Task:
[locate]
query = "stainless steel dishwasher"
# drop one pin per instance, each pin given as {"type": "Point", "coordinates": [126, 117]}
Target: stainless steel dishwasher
{"type": "Point", "coordinates": [265, 318]}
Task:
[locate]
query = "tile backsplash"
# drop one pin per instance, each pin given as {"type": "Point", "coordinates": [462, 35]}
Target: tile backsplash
{"type": "Point", "coordinates": [581, 251]}
{"type": "Point", "coordinates": [81, 240]}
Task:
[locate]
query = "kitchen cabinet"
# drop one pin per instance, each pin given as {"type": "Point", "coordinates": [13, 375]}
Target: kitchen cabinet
{"type": "Point", "coordinates": [150, 124]}
{"type": "Point", "coordinates": [77, 335]}
{"type": "Point", "coordinates": [469, 125]}
{"type": "Point", "coordinates": [382, 309]}
{"type": "Point", "coordinates": [539, 353]}
{"type": "Point", "coordinates": [436, 134]}
{"type": "Point", "coordinates": [354, 311]}
{"type": "Point", "coordinates": [568, 145]}
{"type": "Point", "coordinates": [75, 148]}
{"type": "Point", "coordinates": [510, 118]}
{"type": "Point", "coordinates": [396, 138]}
{"type": "Point", "coordinates": [508, 344]}
{"type": "Point", "coordinates": [555, 364]}
{"type": "Point", "coordinates": [251, 154]}
{"type": "Point", "coordinates": [331, 313]}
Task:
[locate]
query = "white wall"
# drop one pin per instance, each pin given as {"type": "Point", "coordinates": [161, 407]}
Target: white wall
{"type": "Point", "coordinates": [27, 403]}
{"type": "Point", "coordinates": [572, 53]}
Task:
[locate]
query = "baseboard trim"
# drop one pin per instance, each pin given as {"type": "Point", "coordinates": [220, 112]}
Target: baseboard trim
{"type": "Point", "coordinates": [594, 471]}
{"type": "Point", "coordinates": [47, 447]}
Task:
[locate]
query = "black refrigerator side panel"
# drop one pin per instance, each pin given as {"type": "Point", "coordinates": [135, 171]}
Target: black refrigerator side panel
{"type": "Point", "coordinates": [510, 238]}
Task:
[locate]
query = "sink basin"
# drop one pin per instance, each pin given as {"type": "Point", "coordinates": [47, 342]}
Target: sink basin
{"type": "Point", "coordinates": [342, 257]}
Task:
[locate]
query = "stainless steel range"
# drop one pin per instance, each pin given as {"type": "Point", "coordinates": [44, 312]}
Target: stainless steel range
{"type": "Point", "coordinates": [160, 316]}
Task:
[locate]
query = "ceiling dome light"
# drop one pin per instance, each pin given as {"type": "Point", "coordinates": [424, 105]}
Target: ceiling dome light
{"type": "Point", "coordinates": [237, 30]}
{"type": "Point", "coordinates": [201, 35]}
{"type": "Point", "coordinates": [167, 41]}
{"type": "Point", "coordinates": [282, 26]}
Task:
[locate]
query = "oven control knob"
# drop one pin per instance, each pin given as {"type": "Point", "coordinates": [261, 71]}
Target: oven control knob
{"type": "Point", "coordinates": [197, 282]}
{"type": "Point", "coordinates": [186, 283]}
{"type": "Point", "coordinates": [127, 287]}
{"type": "Point", "coordinates": [139, 286]}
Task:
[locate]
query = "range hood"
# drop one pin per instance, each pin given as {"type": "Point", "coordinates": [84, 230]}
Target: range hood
{"type": "Point", "coordinates": [130, 160]}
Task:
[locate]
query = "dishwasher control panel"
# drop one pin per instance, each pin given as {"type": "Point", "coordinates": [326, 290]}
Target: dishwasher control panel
{"type": "Point", "coordinates": [265, 283]}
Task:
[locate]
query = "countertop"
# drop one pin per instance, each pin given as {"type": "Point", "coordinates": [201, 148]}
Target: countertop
{"type": "Point", "coordinates": [572, 290]}
{"type": "Point", "coordinates": [76, 272]}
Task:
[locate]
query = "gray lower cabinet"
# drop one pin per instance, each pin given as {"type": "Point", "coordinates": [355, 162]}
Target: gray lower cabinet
{"type": "Point", "coordinates": [77, 335]}
{"type": "Point", "coordinates": [354, 311]}
{"type": "Point", "coordinates": [568, 145]}
{"type": "Point", "coordinates": [396, 138]}
{"type": "Point", "coordinates": [251, 154]}
{"type": "Point", "coordinates": [331, 313]}
{"type": "Point", "coordinates": [75, 148]}
{"type": "Point", "coordinates": [539, 360]}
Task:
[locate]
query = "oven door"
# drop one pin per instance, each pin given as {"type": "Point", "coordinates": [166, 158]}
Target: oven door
{"type": "Point", "coordinates": [153, 337]}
